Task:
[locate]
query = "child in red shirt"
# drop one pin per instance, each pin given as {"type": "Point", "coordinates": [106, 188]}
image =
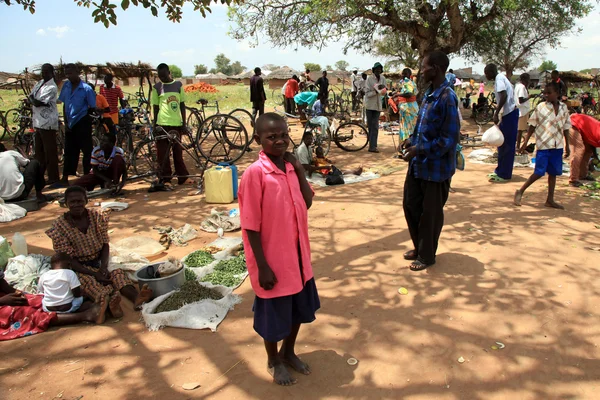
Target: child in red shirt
{"type": "Point", "coordinates": [274, 199]}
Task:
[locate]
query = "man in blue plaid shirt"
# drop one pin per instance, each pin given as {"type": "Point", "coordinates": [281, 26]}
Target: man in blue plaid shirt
{"type": "Point", "coordinates": [431, 152]}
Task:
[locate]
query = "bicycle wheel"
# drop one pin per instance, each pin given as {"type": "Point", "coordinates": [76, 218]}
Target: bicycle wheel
{"type": "Point", "coordinates": [483, 115]}
{"type": "Point", "coordinates": [13, 121]}
{"type": "Point", "coordinates": [194, 120]}
{"type": "Point", "coordinates": [145, 161]}
{"type": "Point", "coordinates": [245, 117]}
{"type": "Point", "coordinates": [322, 139]}
{"type": "Point", "coordinates": [351, 136]}
{"type": "Point", "coordinates": [222, 138]}
{"type": "Point", "coordinates": [141, 112]}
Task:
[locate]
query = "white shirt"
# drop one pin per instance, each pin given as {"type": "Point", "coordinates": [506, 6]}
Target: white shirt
{"type": "Point", "coordinates": [11, 178]}
{"type": "Point", "coordinates": [521, 91]}
{"type": "Point", "coordinates": [57, 286]}
{"type": "Point", "coordinates": [45, 117]}
{"type": "Point", "coordinates": [352, 79]}
{"type": "Point", "coordinates": [283, 88]}
{"type": "Point", "coordinates": [502, 84]}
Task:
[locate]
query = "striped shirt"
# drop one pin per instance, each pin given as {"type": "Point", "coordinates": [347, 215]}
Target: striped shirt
{"type": "Point", "coordinates": [549, 126]}
{"type": "Point", "coordinates": [112, 95]}
{"type": "Point", "coordinates": [99, 159]}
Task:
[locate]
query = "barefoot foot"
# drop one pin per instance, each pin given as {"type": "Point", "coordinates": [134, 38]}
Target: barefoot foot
{"type": "Point", "coordinates": [97, 313]}
{"type": "Point", "coordinates": [281, 375]}
{"type": "Point", "coordinates": [296, 363]}
{"type": "Point", "coordinates": [518, 197]}
{"type": "Point", "coordinates": [553, 204]}
{"type": "Point", "coordinates": [115, 306]}
{"type": "Point", "coordinates": [144, 296]}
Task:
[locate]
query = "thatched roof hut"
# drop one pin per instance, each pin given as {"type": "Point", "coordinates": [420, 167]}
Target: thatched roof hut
{"type": "Point", "coordinates": [280, 76]}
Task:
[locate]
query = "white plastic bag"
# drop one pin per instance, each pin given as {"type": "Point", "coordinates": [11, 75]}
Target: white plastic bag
{"type": "Point", "coordinates": [493, 137]}
{"type": "Point", "coordinates": [10, 212]}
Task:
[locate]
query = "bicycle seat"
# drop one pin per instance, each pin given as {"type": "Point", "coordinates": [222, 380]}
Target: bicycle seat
{"type": "Point", "coordinates": [202, 101]}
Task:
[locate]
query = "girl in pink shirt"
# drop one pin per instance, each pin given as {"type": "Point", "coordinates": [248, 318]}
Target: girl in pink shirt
{"type": "Point", "coordinates": [274, 199]}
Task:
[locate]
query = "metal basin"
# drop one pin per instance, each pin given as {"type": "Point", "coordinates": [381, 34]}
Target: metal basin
{"type": "Point", "coordinates": [159, 286]}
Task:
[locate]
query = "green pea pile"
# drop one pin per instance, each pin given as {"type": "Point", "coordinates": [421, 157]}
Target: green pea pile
{"type": "Point", "coordinates": [190, 292]}
{"type": "Point", "coordinates": [199, 258]}
{"type": "Point", "coordinates": [225, 272]}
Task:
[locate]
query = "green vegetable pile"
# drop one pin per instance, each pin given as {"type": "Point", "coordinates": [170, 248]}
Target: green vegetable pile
{"type": "Point", "coordinates": [189, 275]}
{"type": "Point", "coordinates": [225, 272]}
{"type": "Point", "coordinates": [189, 292]}
{"type": "Point", "coordinates": [199, 258]}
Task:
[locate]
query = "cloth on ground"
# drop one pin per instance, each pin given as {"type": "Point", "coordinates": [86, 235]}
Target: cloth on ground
{"type": "Point", "coordinates": [179, 236]}
{"type": "Point", "coordinates": [319, 180]}
{"type": "Point", "coordinates": [23, 272]}
{"type": "Point", "coordinates": [218, 219]}
{"type": "Point", "coordinates": [10, 212]}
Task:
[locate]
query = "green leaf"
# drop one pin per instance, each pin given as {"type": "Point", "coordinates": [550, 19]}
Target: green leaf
{"type": "Point", "coordinates": [154, 11]}
{"type": "Point", "coordinates": [125, 4]}
{"type": "Point", "coordinates": [106, 24]}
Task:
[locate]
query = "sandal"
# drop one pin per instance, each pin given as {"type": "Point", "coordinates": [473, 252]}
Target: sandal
{"type": "Point", "coordinates": [497, 179]}
{"type": "Point", "coordinates": [419, 266]}
{"type": "Point", "coordinates": [410, 255]}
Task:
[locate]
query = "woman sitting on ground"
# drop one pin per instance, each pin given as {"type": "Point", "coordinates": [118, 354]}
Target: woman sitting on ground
{"type": "Point", "coordinates": [22, 314]}
{"type": "Point", "coordinates": [83, 234]}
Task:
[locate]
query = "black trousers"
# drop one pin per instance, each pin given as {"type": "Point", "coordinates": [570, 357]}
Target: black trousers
{"type": "Point", "coordinates": [424, 211]}
{"type": "Point", "coordinates": [78, 139]}
{"type": "Point", "coordinates": [258, 107]}
{"type": "Point", "coordinates": [33, 177]}
{"type": "Point", "coordinates": [290, 106]}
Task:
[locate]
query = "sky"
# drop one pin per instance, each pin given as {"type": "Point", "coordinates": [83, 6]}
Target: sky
{"type": "Point", "coordinates": [61, 29]}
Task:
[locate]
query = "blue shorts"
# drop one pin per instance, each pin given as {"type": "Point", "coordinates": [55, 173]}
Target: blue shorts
{"type": "Point", "coordinates": [75, 304]}
{"type": "Point", "coordinates": [550, 161]}
{"type": "Point", "coordinates": [274, 318]}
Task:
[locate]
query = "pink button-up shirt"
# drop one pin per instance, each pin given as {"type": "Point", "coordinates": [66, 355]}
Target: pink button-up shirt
{"type": "Point", "coordinates": [271, 203]}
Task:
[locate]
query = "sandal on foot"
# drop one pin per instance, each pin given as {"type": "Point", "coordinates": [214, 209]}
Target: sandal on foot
{"type": "Point", "coordinates": [410, 255]}
{"type": "Point", "coordinates": [419, 266]}
{"type": "Point", "coordinates": [497, 179]}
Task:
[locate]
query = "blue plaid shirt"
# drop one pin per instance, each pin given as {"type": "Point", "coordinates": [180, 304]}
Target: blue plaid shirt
{"type": "Point", "coordinates": [436, 135]}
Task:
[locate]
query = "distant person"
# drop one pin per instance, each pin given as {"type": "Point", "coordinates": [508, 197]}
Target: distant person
{"type": "Point", "coordinates": [274, 200]}
{"type": "Point", "coordinates": [317, 108]}
{"type": "Point", "coordinates": [45, 122]}
{"type": "Point", "coordinates": [353, 91]}
{"type": "Point", "coordinates": [584, 138]}
{"type": "Point", "coordinates": [431, 153]}
{"type": "Point", "coordinates": [103, 110]}
{"type": "Point", "coordinates": [408, 107]}
{"type": "Point", "coordinates": [323, 85]}
{"type": "Point", "coordinates": [360, 86]}
{"type": "Point", "coordinates": [305, 80]}
{"type": "Point", "coordinates": [168, 103]}
{"type": "Point", "coordinates": [450, 77]}
{"type": "Point", "coordinates": [78, 100]}
{"type": "Point", "coordinates": [109, 169]}
{"type": "Point", "coordinates": [375, 89]}
{"type": "Point", "coordinates": [291, 89]}
{"type": "Point", "coordinates": [550, 122]}
{"type": "Point", "coordinates": [481, 88]}
{"type": "Point", "coordinates": [562, 86]}
{"type": "Point", "coordinates": [479, 105]}
{"type": "Point", "coordinates": [114, 96]}
{"type": "Point", "coordinates": [16, 185]}
{"type": "Point", "coordinates": [509, 125]}
{"type": "Point", "coordinates": [522, 100]}
{"type": "Point", "coordinates": [257, 93]}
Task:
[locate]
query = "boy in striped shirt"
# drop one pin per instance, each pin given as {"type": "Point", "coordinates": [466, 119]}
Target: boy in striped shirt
{"type": "Point", "coordinates": [114, 96]}
{"type": "Point", "coordinates": [109, 169]}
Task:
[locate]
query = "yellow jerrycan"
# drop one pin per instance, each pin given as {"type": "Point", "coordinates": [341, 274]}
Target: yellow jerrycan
{"type": "Point", "coordinates": [218, 185]}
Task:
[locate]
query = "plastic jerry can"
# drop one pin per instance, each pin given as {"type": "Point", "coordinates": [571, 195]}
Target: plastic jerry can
{"type": "Point", "coordinates": [19, 244]}
{"type": "Point", "coordinates": [218, 185]}
{"type": "Point", "coordinates": [234, 177]}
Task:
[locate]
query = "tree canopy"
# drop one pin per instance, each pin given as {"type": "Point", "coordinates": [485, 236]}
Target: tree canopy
{"type": "Point", "coordinates": [200, 69]}
{"type": "Point", "coordinates": [342, 65]}
{"type": "Point", "coordinates": [224, 65]}
{"type": "Point", "coordinates": [175, 71]}
{"type": "Point", "coordinates": [517, 37]}
{"type": "Point", "coordinates": [312, 67]}
{"type": "Point", "coordinates": [547, 65]}
{"type": "Point", "coordinates": [397, 51]}
{"type": "Point", "coordinates": [105, 12]}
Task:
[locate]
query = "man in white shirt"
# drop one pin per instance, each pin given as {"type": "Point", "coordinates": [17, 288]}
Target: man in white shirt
{"type": "Point", "coordinates": [505, 99]}
{"type": "Point", "coordinates": [16, 185]}
{"type": "Point", "coordinates": [353, 78]}
{"type": "Point", "coordinates": [522, 100]}
{"type": "Point", "coordinates": [375, 89]}
{"type": "Point", "coordinates": [45, 122]}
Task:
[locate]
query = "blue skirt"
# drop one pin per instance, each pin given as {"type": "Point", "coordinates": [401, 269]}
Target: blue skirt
{"type": "Point", "coordinates": [274, 318]}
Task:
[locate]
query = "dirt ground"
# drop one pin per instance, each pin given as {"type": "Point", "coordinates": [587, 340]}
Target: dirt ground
{"type": "Point", "coordinates": [520, 276]}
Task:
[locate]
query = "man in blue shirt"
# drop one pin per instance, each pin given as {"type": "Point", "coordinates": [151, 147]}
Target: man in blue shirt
{"type": "Point", "coordinates": [451, 78]}
{"type": "Point", "coordinates": [431, 152]}
{"type": "Point", "coordinates": [77, 98]}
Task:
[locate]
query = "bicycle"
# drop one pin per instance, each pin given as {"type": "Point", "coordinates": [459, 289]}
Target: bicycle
{"type": "Point", "coordinates": [210, 141]}
{"type": "Point", "coordinates": [13, 118]}
{"type": "Point", "coordinates": [484, 113]}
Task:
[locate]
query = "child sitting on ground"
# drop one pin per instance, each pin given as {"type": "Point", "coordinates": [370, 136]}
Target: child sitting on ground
{"type": "Point", "coordinates": [61, 287]}
{"type": "Point", "coordinates": [109, 168]}
{"type": "Point", "coordinates": [328, 167]}
{"type": "Point", "coordinates": [550, 121]}
{"type": "Point", "coordinates": [274, 198]}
